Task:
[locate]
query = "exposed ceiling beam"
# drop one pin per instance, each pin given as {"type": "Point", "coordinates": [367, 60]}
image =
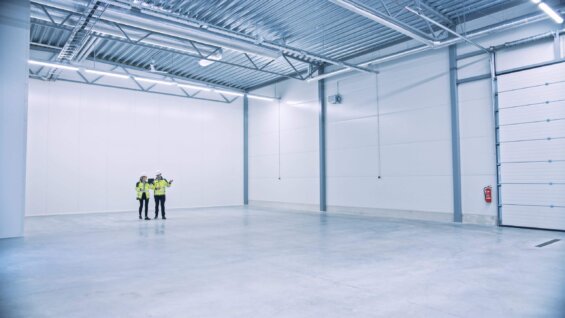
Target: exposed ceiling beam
{"type": "Point", "coordinates": [161, 21]}
{"type": "Point", "coordinates": [50, 49]}
{"type": "Point", "coordinates": [80, 33]}
{"type": "Point", "coordinates": [155, 45]}
{"type": "Point", "coordinates": [384, 19]}
{"type": "Point", "coordinates": [444, 18]}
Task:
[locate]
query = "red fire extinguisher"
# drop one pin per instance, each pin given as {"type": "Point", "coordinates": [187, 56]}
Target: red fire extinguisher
{"type": "Point", "coordinates": [487, 191]}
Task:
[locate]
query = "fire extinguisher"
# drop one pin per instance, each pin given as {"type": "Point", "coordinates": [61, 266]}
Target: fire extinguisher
{"type": "Point", "coordinates": [487, 191]}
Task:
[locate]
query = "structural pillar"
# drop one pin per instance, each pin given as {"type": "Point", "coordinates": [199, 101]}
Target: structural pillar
{"type": "Point", "coordinates": [322, 136]}
{"type": "Point", "coordinates": [245, 150]}
{"type": "Point", "coordinates": [14, 36]}
{"type": "Point", "coordinates": [455, 138]}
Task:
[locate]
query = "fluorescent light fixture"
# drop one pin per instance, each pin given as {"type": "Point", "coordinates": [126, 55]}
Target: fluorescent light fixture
{"type": "Point", "coordinates": [293, 102]}
{"type": "Point", "coordinates": [107, 73]}
{"type": "Point", "coordinates": [228, 92]}
{"type": "Point", "coordinates": [270, 99]}
{"type": "Point", "coordinates": [211, 59]}
{"type": "Point", "coordinates": [205, 63]}
{"type": "Point", "coordinates": [550, 12]}
{"type": "Point", "coordinates": [200, 88]}
{"type": "Point", "coordinates": [154, 81]}
{"type": "Point", "coordinates": [319, 77]}
{"type": "Point", "coordinates": [63, 67]}
{"type": "Point", "coordinates": [536, 1]}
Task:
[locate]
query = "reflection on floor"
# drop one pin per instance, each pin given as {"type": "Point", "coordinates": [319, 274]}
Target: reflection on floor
{"type": "Point", "coordinates": [248, 262]}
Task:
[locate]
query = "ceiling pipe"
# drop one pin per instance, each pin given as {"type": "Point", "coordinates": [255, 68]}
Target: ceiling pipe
{"type": "Point", "coordinates": [109, 33]}
{"type": "Point", "coordinates": [443, 27]}
{"type": "Point", "coordinates": [190, 29]}
{"type": "Point", "coordinates": [528, 40]}
{"type": "Point", "coordinates": [264, 44]}
{"type": "Point", "coordinates": [386, 20]}
{"type": "Point", "coordinates": [118, 14]}
{"type": "Point", "coordinates": [105, 28]}
{"type": "Point", "coordinates": [475, 34]}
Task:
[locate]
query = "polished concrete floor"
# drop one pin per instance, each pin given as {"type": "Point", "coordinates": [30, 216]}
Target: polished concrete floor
{"type": "Point", "coordinates": [238, 262]}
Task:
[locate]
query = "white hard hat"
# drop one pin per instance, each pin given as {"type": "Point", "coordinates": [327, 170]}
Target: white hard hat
{"type": "Point", "coordinates": [158, 172]}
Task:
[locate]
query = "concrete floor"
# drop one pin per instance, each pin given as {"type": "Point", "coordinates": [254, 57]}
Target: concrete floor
{"type": "Point", "coordinates": [238, 262]}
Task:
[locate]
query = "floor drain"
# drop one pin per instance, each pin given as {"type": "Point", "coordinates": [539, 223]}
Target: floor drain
{"type": "Point", "coordinates": [548, 242]}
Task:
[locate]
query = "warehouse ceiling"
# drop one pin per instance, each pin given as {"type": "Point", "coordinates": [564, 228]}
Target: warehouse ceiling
{"type": "Point", "coordinates": [245, 43]}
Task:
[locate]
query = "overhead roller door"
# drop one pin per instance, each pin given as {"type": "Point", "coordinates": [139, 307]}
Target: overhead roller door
{"type": "Point", "coordinates": [531, 141]}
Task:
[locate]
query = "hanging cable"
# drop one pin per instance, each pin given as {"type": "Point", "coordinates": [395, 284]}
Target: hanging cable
{"type": "Point", "coordinates": [379, 168]}
{"type": "Point", "coordinates": [279, 129]}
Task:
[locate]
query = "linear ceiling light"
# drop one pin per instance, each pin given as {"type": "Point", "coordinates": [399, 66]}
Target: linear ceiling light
{"type": "Point", "coordinates": [63, 67]}
{"type": "Point", "coordinates": [211, 59]}
{"type": "Point", "coordinates": [200, 88]}
{"type": "Point", "coordinates": [154, 81]}
{"type": "Point", "coordinates": [270, 99]}
{"type": "Point", "coordinates": [294, 102]}
{"type": "Point", "coordinates": [106, 73]}
{"type": "Point", "coordinates": [228, 92]}
{"type": "Point", "coordinates": [550, 12]}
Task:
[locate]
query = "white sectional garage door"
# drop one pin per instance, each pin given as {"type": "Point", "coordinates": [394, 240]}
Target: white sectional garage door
{"type": "Point", "coordinates": [532, 147]}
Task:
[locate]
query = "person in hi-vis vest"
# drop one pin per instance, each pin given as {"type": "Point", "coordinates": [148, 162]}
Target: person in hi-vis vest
{"type": "Point", "coordinates": [142, 188]}
{"type": "Point", "coordinates": [160, 187]}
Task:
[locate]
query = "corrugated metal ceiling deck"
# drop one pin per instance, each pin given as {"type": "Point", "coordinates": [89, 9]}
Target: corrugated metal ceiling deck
{"type": "Point", "coordinates": [317, 26]}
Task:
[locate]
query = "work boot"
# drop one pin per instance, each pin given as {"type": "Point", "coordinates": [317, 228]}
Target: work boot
{"type": "Point", "coordinates": [147, 218]}
{"type": "Point", "coordinates": [140, 216]}
{"type": "Point", "coordinates": [164, 218]}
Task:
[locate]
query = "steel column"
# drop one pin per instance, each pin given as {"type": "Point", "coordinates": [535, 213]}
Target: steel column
{"type": "Point", "coordinates": [557, 45]}
{"type": "Point", "coordinates": [245, 150]}
{"type": "Point", "coordinates": [14, 36]}
{"type": "Point", "coordinates": [322, 138]}
{"type": "Point", "coordinates": [455, 140]}
{"type": "Point", "coordinates": [494, 96]}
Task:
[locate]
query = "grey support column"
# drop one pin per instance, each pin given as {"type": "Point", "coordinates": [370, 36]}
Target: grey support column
{"type": "Point", "coordinates": [322, 136]}
{"type": "Point", "coordinates": [245, 150]}
{"type": "Point", "coordinates": [14, 36]}
{"type": "Point", "coordinates": [455, 138]}
{"type": "Point", "coordinates": [494, 96]}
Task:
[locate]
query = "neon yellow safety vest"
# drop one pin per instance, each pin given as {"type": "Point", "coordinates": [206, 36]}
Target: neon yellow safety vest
{"type": "Point", "coordinates": [160, 186]}
{"type": "Point", "coordinates": [141, 187]}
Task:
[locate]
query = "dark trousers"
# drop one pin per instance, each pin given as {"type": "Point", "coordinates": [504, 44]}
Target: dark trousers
{"type": "Point", "coordinates": [159, 199]}
{"type": "Point", "coordinates": [144, 200]}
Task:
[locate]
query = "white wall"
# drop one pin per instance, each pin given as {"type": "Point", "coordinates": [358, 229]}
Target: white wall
{"type": "Point", "coordinates": [414, 160]}
{"type": "Point", "coordinates": [415, 149]}
{"type": "Point", "coordinates": [283, 146]}
{"type": "Point", "coordinates": [478, 157]}
{"type": "Point", "coordinates": [409, 99]}
{"type": "Point", "coordinates": [87, 146]}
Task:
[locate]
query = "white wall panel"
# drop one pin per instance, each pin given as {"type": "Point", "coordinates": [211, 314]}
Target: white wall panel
{"type": "Point", "coordinates": [478, 156]}
{"type": "Point", "coordinates": [535, 53]}
{"type": "Point", "coordinates": [415, 144]}
{"type": "Point", "coordinates": [473, 66]}
{"type": "Point", "coordinates": [284, 142]}
{"type": "Point", "coordinates": [89, 145]}
{"type": "Point", "coordinates": [412, 126]}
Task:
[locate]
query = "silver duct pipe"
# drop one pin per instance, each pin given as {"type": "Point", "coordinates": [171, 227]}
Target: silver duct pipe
{"type": "Point", "coordinates": [196, 31]}
{"type": "Point", "coordinates": [475, 34]}
{"type": "Point", "coordinates": [528, 40]}
{"type": "Point", "coordinates": [155, 39]}
{"type": "Point", "coordinates": [264, 44]}
{"type": "Point", "coordinates": [443, 27]}
{"type": "Point", "coordinates": [133, 19]}
{"type": "Point", "coordinates": [385, 20]}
